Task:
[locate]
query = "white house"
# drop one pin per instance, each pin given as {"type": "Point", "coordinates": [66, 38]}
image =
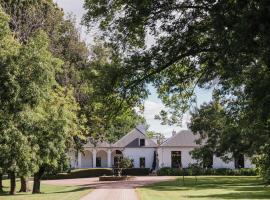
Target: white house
{"type": "Point", "coordinates": [173, 152]}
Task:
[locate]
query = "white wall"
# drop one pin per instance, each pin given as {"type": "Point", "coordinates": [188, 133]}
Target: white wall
{"type": "Point", "coordinates": [164, 155]}
{"type": "Point", "coordinates": [164, 158]}
{"type": "Point", "coordinates": [137, 153]}
{"type": "Point", "coordinates": [72, 157]}
{"type": "Point", "coordinates": [219, 163]}
{"type": "Point", "coordinates": [248, 163]}
{"type": "Point", "coordinates": [86, 159]}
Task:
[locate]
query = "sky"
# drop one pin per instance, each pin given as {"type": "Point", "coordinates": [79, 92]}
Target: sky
{"type": "Point", "coordinates": [153, 105]}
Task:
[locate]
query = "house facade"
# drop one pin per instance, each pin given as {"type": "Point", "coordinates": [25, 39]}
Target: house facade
{"type": "Point", "coordinates": [174, 152]}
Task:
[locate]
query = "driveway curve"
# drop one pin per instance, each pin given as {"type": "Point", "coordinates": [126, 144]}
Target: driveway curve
{"type": "Point", "coordinates": [110, 190]}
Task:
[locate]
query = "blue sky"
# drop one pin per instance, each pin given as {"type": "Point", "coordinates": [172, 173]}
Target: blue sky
{"type": "Point", "coordinates": [152, 105]}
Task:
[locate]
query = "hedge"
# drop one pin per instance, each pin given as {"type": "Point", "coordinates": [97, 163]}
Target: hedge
{"type": "Point", "coordinates": [166, 171]}
{"type": "Point", "coordinates": [136, 171]}
{"type": "Point", "coordinates": [80, 173]}
{"type": "Point", "coordinates": [96, 172]}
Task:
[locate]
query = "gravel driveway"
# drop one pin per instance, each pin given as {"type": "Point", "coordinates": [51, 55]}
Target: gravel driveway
{"type": "Point", "coordinates": [110, 190]}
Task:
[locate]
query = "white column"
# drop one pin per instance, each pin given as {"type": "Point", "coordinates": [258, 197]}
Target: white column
{"type": "Point", "coordinates": [109, 162]}
{"type": "Point", "coordinates": [94, 158]}
{"type": "Point", "coordinates": [79, 161]}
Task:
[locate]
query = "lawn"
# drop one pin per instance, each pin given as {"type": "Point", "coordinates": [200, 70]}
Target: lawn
{"type": "Point", "coordinates": [49, 192]}
{"type": "Point", "coordinates": [219, 187]}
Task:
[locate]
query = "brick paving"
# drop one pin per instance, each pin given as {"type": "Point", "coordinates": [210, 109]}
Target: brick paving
{"type": "Point", "coordinates": [111, 190]}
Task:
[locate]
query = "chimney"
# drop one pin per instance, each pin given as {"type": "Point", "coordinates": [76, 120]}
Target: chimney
{"type": "Point", "coordinates": [173, 133]}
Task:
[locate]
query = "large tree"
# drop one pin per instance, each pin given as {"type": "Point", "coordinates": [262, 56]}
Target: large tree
{"type": "Point", "coordinates": [39, 91]}
{"type": "Point", "coordinates": [202, 43]}
{"type": "Point", "coordinates": [220, 134]}
{"type": "Point", "coordinates": [38, 117]}
{"type": "Point", "coordinates": [17, 153]}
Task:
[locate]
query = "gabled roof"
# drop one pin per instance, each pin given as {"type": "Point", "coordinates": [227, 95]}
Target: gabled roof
{"type": "Point", "coordinates": [184, 138]}
{"type": "Point", "coordinates": [132, 139]}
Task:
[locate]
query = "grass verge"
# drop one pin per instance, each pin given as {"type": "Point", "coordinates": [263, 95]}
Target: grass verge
{"type": "Point", "coordinates": [49, 192]}
{"type": "Point", "coordinates": [207, 188]}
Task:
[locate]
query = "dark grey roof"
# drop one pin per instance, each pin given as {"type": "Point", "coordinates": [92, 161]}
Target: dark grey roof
{"type": "Point", "coordinates": [182, 139]}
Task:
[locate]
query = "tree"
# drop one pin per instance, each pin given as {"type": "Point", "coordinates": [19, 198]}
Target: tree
{"type": "Point", "coordinates": [16, 154]}
{"type": "Point", "coordinates": [38, 117]}
{"type": "Point", "coordinates": [56, 124]}
{"type": "Point", "coordinates": [109, 114]}
{"type": "Point", "coordinates": [27, 17]}
{"type": "Point", "coordinates": [220, 44]}
{"type": "Point", "coordinates": [123, 163]}
{"type": "Point", "coordinates": [191, 48]}
{"type": "Point", "coordinates": [52, 121]}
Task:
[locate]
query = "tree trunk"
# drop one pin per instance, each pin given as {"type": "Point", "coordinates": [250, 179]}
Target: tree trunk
{"type": "Point", "coordinates": [1, 182]}
{"type": "Point", "coordinates": [12, 183]}
{"type": "Point", "coordinates": [24, 184]}
{"type": "Point", "coordinates": [37, 178]}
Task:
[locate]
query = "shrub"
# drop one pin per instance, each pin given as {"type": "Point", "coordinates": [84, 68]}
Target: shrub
{"type": "Point", "coordinates": [123, 163]}
{"type": "Point", "coordinates": [136, 171]}
{"type": "Point", "coordinates": [166, 171]}
{"type": "Point", "coordinates": [80, 173]}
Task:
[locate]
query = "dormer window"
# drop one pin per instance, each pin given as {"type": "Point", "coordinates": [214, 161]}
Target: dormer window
{"type": "Point", "coordinates": [142, 142]}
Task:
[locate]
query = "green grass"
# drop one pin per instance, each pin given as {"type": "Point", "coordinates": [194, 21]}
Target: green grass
{"type": "Point", "coordinates": [49, 192]}
{"type": "Point", "coordinates": [210, 188]}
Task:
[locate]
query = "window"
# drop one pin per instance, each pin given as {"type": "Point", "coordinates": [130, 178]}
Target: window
{"type": "Point", "coordinates": [98, 161]}
{"type": "Point", "coordinates": [142, 162]}
{"type": "Point", "coordinates": [142, 142]}
{"type": "Point", "coordinates": [176, 159]}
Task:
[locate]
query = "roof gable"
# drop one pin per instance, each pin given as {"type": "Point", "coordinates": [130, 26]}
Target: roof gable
{"type": "Point", "coordinates": [184, 138]}
{"type": "Point", "coordinates": [132, 140]}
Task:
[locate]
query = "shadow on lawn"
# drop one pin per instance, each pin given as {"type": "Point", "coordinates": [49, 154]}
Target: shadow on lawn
{"type": "Point", "coordinates": [233, 187]}
{"type": "Point", "coordinates": [236, 195]}
{"type": "Point", "coordinates": [5, 193]}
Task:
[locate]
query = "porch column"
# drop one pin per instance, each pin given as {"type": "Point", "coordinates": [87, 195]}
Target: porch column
{"type": "Point", "coordinates": [109, 162]}
{"type": "Point", "coordinates": [79, 161]}
{"type": "Point", "coordinates": [94, 158]}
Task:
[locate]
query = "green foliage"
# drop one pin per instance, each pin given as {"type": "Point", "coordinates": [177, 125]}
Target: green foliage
{"type": "Point", "coordinates": [197, 171]}
{"type": "Point", "coordinates": [220, 133]}
{"type": "Point", "coordinates": [123, 163]}
{"type": "Point", "coordinates": [79, 173]}
{"type": "Point", "coordinates": [38, 116]}
{"type": "Point", "coordinates": [27, 17]}
{"type": "Point", "coordinates": [85, 173]}
{"type": "Point", "coordinates": [136, 171]}
{"type": "Point", "coordinates": [109, 113]}
{"type": "Point", "coordinates": [222, 45]}
{"type": "Point", "coordinates": [263, 161]}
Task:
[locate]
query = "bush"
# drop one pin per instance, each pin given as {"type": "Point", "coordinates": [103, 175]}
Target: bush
{"type": "Point", "coordinates": [166, 171]}
{"type": "Point", "coordinates": [136, 171]}
{"type": "Point", "coordinates": [80, 173]}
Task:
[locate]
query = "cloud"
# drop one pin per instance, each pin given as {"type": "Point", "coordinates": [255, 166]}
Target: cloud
{"type": "Point", "coordinates": [152, 108]}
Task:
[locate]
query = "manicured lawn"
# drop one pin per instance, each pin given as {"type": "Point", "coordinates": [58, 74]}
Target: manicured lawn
{"type": "Point", "coordinates": [49, 192]}
{"type": "Point", "coordinates": [207, 188]}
